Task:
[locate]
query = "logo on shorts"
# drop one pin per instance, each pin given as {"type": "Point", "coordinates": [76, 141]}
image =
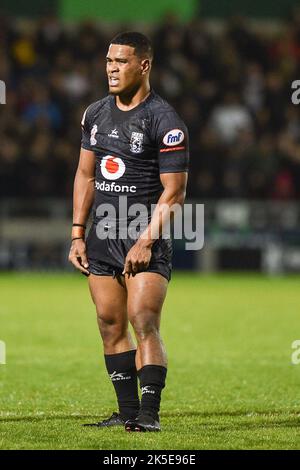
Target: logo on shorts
{"type": "Point", "coordinates": [136, 142]}
{"type": "Point", "coordinates": [112, 168]}
{"type": "Point", "coordinates": [173, 137]}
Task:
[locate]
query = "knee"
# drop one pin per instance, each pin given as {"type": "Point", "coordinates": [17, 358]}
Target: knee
{"type": "Point", "coordinates": [144, 324]}
{"type": "Point", "coordinates": [111, 330]}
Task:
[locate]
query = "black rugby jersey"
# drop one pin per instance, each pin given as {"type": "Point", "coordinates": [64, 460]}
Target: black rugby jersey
{"type": "Point", "coordinates": [133, 147]}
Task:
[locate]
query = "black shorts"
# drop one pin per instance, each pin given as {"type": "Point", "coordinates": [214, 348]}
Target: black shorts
{"type": "Point", "coordinates": [106, 257]}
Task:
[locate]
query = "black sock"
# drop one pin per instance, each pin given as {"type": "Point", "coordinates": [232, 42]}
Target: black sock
{"type": "Point", "coordinates": [122, 371]}
{"type": "Point", "coordinates": [152, 381]}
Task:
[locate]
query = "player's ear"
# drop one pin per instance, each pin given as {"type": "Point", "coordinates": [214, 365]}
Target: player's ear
{"type": "Point", "coordinates": [145, 66]}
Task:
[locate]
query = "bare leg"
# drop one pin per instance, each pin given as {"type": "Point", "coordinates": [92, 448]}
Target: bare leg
{"type": "Point", "coordinates": [146, 294]}
{"type": "Point", "coordinates": [110, 298]}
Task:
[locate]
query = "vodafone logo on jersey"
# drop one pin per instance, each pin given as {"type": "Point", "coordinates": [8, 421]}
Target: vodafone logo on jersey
{"type": "Point", "coordinates": [173, 137]}
{"type": "Point", "coordinates": [112, 168]}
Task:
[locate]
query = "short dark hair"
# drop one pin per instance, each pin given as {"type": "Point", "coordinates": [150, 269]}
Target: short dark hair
{"type": "Point", "coordinates": [139, 41]}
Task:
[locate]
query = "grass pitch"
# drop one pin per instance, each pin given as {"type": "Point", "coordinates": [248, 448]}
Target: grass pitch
{"type": "Point", "coordinates": [231, 383]}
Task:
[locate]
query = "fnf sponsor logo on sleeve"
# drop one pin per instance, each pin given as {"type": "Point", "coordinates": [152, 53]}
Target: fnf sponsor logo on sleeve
{"type": "Point", "coordinates": [173, 137]}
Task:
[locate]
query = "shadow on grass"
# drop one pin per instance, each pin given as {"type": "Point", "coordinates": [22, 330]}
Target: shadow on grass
{"type": "Point", "coordinates": [290, 421]}
{"type": "Point", "coordinates": [45, 417]}
{"type": "Point", "coordinates": [230, 413]}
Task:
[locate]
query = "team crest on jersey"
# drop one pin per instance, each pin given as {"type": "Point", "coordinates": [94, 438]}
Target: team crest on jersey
{"type": "Point", "coordinates": [136, 142]}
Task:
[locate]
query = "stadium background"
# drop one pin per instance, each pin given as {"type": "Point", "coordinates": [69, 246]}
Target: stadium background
{"type": "Point", "coordinates": [227, 67]}
{"type": "Point", "coordinates": [230, 79]}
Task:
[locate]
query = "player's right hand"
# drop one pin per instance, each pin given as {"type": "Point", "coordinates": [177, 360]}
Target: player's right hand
{"type": "Point", "coordinates": [77, 256]}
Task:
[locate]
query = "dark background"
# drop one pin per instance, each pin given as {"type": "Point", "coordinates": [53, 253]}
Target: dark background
{"type": "Point", "coordinates": [227, 69]}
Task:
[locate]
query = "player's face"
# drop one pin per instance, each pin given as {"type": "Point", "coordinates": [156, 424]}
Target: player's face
{"type": "Point", "coordinates": [124, 69]}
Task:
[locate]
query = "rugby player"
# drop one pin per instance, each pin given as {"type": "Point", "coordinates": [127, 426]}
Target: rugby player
{"type": "Point", "coordinates": [134, 146]}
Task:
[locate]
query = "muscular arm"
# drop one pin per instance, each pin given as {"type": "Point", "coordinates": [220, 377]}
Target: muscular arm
{"type": "Point", "coordinates": [174, 193]}
{"type": "Point", "coordinates": [83, 196]}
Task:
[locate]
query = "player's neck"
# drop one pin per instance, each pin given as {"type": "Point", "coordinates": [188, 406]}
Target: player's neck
{"type": "Point", "coordinates": [130, 101]}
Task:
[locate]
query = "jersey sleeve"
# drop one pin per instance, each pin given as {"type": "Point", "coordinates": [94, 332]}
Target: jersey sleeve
{"type": "Point", "coordinates": [86, 130]}
{"type": "Point", "coordinates": [173, 143]}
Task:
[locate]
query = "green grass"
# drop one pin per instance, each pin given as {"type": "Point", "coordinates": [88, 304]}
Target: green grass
{"type": "Point", "coordinates": [231, 384]}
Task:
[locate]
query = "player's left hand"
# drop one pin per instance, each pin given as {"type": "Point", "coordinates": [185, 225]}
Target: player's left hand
{"type": "Point", "coordinates": [137, 259]}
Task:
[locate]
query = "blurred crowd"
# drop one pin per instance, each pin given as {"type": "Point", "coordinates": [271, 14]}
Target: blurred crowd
{"type": "Point", "coordinates": [233, 90]}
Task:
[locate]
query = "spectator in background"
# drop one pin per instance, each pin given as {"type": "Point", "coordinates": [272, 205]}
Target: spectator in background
{"type": "Point", "coordinates": [230, 118]}
{"type": "Point", "coordinates": [42, 109]}
{"type": "Point", "coordinates": [232, 88]}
